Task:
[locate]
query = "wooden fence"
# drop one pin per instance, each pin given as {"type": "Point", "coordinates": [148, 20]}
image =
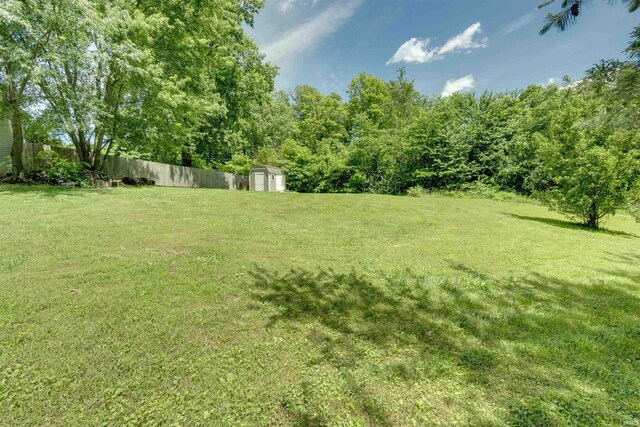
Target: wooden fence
{"type": "Point", "coordinates": [164, 175]}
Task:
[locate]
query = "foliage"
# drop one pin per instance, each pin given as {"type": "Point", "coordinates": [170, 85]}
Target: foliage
{"type": "Point", "coordinates": [589, 165]}
{"type": "Point", "coordinates": [634, 204]}
{"type": "Point", "coordinates": [485, 191]}
{"type": "Point", "coordinates": [571, 11]}
{"type": "Point", "coordinates": [239, 164]}
{"type": "Point", "coordinates": [370, 96]}
{"type": "Point", "coordinates": [461, 139]}
{"type": "Point", "coordinates": [57, 169]}
{"type": "Point", "coordinates": [416, 191]}
{"type": "Point", "coordinates": [144, 77]}
{"type": "Point", "coordinates": [574, 146]}
{"type": "Point", "coordinates": [27, 27]}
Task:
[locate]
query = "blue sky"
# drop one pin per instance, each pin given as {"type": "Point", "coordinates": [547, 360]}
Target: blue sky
{"type": "Point", "coordinates": [445, 45]}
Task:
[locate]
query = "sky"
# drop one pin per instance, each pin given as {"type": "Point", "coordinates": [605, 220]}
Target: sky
{"type": "Point", "coordinates": [447, 46]}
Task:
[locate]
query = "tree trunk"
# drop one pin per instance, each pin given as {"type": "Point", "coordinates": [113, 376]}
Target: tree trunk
{"type": "Point", "coordinates": [593, 220]}
{"type": "Point", "coordinates": [187, 158]}
{"type": "Point", "coordinates": [18, 144]}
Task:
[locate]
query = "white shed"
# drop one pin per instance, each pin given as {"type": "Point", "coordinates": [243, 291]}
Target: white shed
{"type": "Point", "coordinates": [267, 178]}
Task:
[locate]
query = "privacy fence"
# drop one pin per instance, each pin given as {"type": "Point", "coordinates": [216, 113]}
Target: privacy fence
{"type": "Point", "coordinates": [164, 175]}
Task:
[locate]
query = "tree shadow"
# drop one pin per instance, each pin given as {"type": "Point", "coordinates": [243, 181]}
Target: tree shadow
{"type": "Point", "coordinates": [49, 191]}
{"type": "Point", "coordinates": [467, 323]}
{"type": "Point", "coordinates": [570, 225]}
{"type": "Point", "coordinates": [629, 270]}
{"type": "Point", "coordinates": [628, 258]}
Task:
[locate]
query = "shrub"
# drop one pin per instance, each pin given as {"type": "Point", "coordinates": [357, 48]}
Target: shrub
{"type": "Point", "coordinates": [56, 169]}
{"type": "Point", "coordinates": [416, 191]}
{"type": "Point", "coordinates": [588, 185]}
{"type": "Point", "coordinates": [239, 164]}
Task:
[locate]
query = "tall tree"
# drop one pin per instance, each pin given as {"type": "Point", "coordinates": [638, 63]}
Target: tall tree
{"type": "Point", "coordinates": [322, 119]}
{"type": "Point", "coordinates": [405, 99]}
{"type": "Point", "coordinates": [26, 28]}
{"type": "Point", "coordinates": [144, 76]}
{"type": "Point", "coordinates": [370, 96]}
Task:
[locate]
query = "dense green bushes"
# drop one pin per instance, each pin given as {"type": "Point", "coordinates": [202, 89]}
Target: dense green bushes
{"type": "Point", "coordinates": [54, 169]}
{"type": "Point", "coordinates": [575, 148]}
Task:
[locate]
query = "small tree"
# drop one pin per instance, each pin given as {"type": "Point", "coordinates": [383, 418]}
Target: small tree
{"type": "Point", "coordinates": [590, 166]}
{"type": "Point", "coordinates": [589, 185]}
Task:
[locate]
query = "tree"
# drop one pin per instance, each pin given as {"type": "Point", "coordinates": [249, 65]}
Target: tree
{"type": "Point", "coordinates": [406, 101]}
{"type": "Point", "coordinates": [145, 76]}
{"type": "Point", "coordinates": [272, 124]}
{"type": "Point", "coordinates": [634, 204]}
{"type": "Point", "coordinates": [571, 11]}
{"type": "Point", "coordinates": [244, 84]}
{"type": "Point", "coordinates": [370, 96]}
{"type": "Point", "coordinates": [386, 104]}
{"type": "Point", "coordinates": [375, 158]}
{"type": "Point", "coordinates": [322, 119]}
{"type": "Point", "coordinates": [461, 139]}
{"type": "Point", "coordinates": [590, 166]}
{"type": "Point", "coordinates": [26, 28]}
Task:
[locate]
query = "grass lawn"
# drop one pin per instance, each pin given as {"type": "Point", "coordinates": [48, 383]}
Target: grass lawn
{"type": "Point", "coordinates": [163, 306]}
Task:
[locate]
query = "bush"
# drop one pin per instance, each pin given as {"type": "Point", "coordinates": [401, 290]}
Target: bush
{"type": "Point", "coordinates": [416, 191]}
{"type": "Point", "coordinates": [239, 165]}
{"type": "Point", "coordinates": [588, 184]}
{"type": "Point", "coordinates": [56, 169]}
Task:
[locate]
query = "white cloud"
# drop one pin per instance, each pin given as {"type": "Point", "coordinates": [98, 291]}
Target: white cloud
{"type": "Point", "coordinates": [414, 50]}
{"type": "Point", "coordinates": [464, 40]}
{"type": "Point", "coordinates": [287, 5]}
{"type": "Point", "coordinates": [309, 34]}
{"type": "Point", "coordinates": [453, 86]}
{"type": "Point", "coordinates": [519, 24]}
{"type": "Point", "coordinates": [554, 81]}
{"type": "Point", "coordinates": [417, 50]}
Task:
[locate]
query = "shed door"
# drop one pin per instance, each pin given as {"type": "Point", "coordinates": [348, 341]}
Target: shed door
{"type": "Point", "coordinates": [258, 179]}
{"type": "Point", "coordinates": [279, 183]}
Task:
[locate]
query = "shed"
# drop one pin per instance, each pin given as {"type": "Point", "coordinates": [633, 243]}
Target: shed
{"type": "Point", "coordinates": [267, 178]}
{"type": "Point", "coordinates": [5, 139]}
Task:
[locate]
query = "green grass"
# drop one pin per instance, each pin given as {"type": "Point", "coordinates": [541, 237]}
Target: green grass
{"type": "Point", "coordinates": [160, 306]}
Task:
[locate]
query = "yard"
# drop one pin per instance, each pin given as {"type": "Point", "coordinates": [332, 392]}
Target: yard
{"type": "Point", "coordinates": [162, 306]}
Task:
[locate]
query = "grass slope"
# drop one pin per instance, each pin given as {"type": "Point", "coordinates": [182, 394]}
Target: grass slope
{"type": "Point", "coordinates": [160, 306]}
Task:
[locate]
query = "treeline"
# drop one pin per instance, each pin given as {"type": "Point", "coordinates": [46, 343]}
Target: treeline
{"type": "Point", "coordinates": [575, 146]}
{"type": "Point", "coordinates": [388, 138]}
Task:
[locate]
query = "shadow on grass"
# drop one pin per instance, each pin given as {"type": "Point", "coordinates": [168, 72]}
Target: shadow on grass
{"type": "Point", "coordinates": [540, 341]}
{"type": "Point", "coordinates": [49, 190]}
{"type": "Point", "coordinates": [570, 225]}
{"type": "Point", "coordinates": [630, 269]}
{"type": "Point", "coordinates": [629, 258]}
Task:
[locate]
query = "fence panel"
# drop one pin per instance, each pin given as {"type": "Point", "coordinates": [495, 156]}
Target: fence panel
{"type": "Point", "coordinates": [163, 174]}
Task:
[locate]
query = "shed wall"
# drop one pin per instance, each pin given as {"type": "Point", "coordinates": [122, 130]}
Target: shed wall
{"type": "Point", "coordinates": [278, 184]}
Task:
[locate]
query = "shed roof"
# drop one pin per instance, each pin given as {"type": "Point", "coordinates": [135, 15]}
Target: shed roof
{"type": "Point", "coordinates": [270, 169]}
